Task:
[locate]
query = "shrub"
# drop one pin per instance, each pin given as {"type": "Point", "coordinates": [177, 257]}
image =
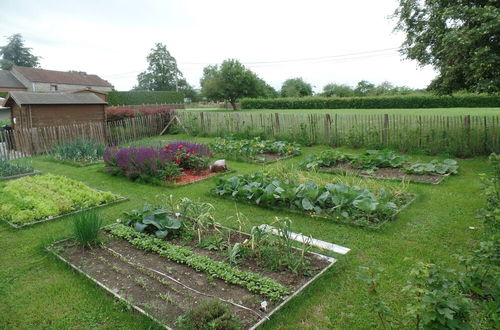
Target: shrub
{"type": "Point", "coordinates": [86, 227]}
{"type": "Point", "coordinates": [79, 150]}
{"type": "Point", "coordinates": [144, 97]}
{"type": "Point", "coordinates": [209, 315]}
{"type": "Point", "coordinates": [251, 148]}
{"type": "Point", "coordinates": [10, 168]}
{"type": "Point", "coordinates": [380, 102]}
{"type": "Point", "coordinates": [119, 113]}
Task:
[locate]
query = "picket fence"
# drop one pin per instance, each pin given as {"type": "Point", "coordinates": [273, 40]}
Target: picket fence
{"type": "Point", "coordinates": [458, 135]}
{"type": "Point", "coordinates": [24, 142]}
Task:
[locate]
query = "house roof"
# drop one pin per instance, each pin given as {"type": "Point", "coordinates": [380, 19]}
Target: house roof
{"type": "Point", "coordinates": [61, 77]}
{"type": "Point", "coordinates": [29, 98]}
{"type": "Point", "coordinates": [7, 80]}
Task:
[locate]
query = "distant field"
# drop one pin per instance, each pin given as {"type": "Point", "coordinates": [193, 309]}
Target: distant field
{"type": "Point", "coordinates": [434, 111]}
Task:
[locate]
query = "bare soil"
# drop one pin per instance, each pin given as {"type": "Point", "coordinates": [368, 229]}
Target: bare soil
{"type": "Point", "coordinates": [388, 173]}
{"type": "Point", "coordinates": [127, 271]}
{"type": "Point", "coordinates": [190, 176]}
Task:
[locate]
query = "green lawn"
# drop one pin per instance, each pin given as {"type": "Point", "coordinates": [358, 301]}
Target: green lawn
{"type": "Point", "coordinates": [438, 111]}
{"type": "Point", "coordinates": [38, 291]}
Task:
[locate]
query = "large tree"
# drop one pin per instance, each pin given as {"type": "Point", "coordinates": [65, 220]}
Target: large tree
{"type": "Point", "coordinates": [459, 38]}
{"type": "Point", "coordinates": [15, 53]}
{"type": "Point", "coordinates": [296, 87]}
{"type": "Point", "coordinates": [162, 73]}
{"type": "Point", "coordinates": [230, 81]}
{"type": "Point", "coordinates": [338, 90]}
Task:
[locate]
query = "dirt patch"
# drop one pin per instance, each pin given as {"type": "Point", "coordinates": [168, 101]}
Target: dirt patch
{"type": "Point", "coordinates": [166, 290]}
{"type": "Point", "coordinates": [190, 176]}
{"type": "Point", "coordinates": [387, 173]}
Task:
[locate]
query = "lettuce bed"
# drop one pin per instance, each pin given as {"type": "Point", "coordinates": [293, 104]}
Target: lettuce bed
{"type": "Point", "coordinates": [37, 198]}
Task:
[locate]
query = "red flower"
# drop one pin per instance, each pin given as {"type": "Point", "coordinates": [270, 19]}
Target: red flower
{"type": "Point", "coordinates": [187, 155]}
{"type": "Point", "coordinates": [177, 160]}
{"type": "Point", "coordinates": [192, 152]}
{"type": "Point", "coordinates": [168, 146]}
{"type": "Point", "coordinates": [180, 146]}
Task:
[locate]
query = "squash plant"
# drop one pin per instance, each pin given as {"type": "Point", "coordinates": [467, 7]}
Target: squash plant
{"type": "Point", "coordinates": [149, 220]}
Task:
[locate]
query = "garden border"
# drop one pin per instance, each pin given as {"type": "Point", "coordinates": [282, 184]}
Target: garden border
{"type": "Point", "coordinates": [5, 178]}
{"type": "Point", "coordinates": [63, 215]}
{"type": "Point", "coordinates": [262, 320]}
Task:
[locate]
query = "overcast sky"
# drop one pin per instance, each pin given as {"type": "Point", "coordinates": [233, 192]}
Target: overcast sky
{"type": "Point", "coordinates": [326, 41]}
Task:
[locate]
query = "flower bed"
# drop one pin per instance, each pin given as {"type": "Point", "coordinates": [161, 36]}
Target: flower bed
{"type": "Point", "coordinates": [31, 200]}
{"type": "Point", "coordinates": [255, 150]}
{"type": "Point", "coordinates": [11, 170]}
{"type": "Point", "coordinates": [339, 202]}
{"type": "Point", "coordinates": [197, 263]}
{"type": "Point", "coordinates": [178, 162]}
{"type": "Point", "coordinates": [79, 152]}
{"type": "Point", "coordinates": [381, 164]}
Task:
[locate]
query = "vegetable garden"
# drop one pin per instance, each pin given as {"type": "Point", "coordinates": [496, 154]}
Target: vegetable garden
{"type": "Point", "coordinates": [196, 256]}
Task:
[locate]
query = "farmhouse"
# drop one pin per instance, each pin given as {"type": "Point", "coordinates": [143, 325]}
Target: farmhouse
{"type": "Point", "coordinates": [30, 110]}
{"type": "Point", "coordinates": [41, 80]}
{"type": "Point", "coordinates": [8, 82]}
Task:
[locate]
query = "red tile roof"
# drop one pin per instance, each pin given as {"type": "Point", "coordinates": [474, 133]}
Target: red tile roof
{"type": "Point", "coordinates": [61, 77]}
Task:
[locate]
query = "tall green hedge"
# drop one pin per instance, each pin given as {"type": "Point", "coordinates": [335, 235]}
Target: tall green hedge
{"type": "Point", "coordinates": [144, 97]}
{"type": "Point", "coordinates": [379, 102]}
{"type": "Point", "coordinates": [3, 94]}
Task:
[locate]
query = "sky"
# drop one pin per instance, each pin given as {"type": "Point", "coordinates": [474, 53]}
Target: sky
{"type": "Point", "coordinates": [322, 41]}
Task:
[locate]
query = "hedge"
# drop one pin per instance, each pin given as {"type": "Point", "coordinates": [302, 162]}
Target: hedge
{"type": "Point", "coordinates": [3, 94]}
{"type": "Point", "coordinates": [144, 97]}
{"type": "Point", "coordinates": [380, 102]}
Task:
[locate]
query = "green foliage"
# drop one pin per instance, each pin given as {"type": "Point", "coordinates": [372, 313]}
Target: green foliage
{"type": "Point", "coordinates": [10, 168]}
{"type": "Point", "coordinates": [162, 73]}
{"type": "Point", "coordinates": [15, 53]}
{"type": "Point", "coordinates": [160, 222]}
{"type": "Point", "coordinates": [209, 315]}
{"type": "Point", "coordinates": [144, 97]}
{"type": "Point", "coordinates": [337, 201]}
{"type": "Point", "coordinates": [80, 151]}
{"type": "Point", "coordinates": [39, 197]}
{"type": "Point", "coordinates": [231, 81]}
{"type": "Point", "coordinates": [296, 87]}
{"type": "Point", "coordinates": [253, 282]}
{"type": "Point", "coordinates": [491, 189]}
{"type": "Point", "coordinates": [250, 149]}
{"type": "Point", "coordinates": [458, 38]}
{"type": "Point", "coordinates": [3, 94]}
{"type": "Point", "coordinates": [337, 90]}
{"type": "Point", "coordinates": [446, 167]}
{"type": "Point", "coordinates": [86, 227]}
{"type": "Point", "coordinates": [325, 158]}
{"type": "Point", "coordinates": [380, 102]}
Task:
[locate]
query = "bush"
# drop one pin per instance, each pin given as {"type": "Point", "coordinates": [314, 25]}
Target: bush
{"type": "Point", "coordinates": [119, 113]}
{"type": "Point", "coordinates": [10, 168]}
{"type": "Point", "coordinates": [144, 97]}
{"type": "Point", "coordinates": [86, 227]}
{"type": "Point", "coordinates": [380, 102]}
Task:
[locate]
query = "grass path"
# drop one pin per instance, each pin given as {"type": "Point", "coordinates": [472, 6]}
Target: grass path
{"type": "Point", "coordinates": [37, 291]}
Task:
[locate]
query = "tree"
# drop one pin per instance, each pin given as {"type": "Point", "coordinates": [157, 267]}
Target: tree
{"type": "Point", "coordinates": [296, 87]}
{"type": "Point", "coordinates": [459, 38]}
{"type": "Point", "coordinates": [162, 73]}
{"type": "Point", "coordinates": [337, 90]}
{"type": "Point", "coordinates": [15, 53]}
{"type": "Point", "coordinates": [364, 88]}
{"type": "Point", "coordinates": [229, 82]}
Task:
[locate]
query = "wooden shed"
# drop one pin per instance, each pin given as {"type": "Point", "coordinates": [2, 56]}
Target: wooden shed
{"type": "Point", "coordinates": [29, 110]}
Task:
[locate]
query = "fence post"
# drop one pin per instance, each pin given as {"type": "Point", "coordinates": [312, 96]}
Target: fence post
{"type": "Point", "coordinates": [385, 135]}
{"type": "Point", "coordinates": [467, 130]}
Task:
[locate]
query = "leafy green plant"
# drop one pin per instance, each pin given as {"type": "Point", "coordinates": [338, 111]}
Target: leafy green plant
{"type": "Point", "coordinates": [446, 167]}
{"type": "Point", "coordinates": [11, 168]}
{"type": "Point", "coordinates": [373, 159]}
{"type": "Point", "coordinates": [251, 149]}
{"type": "Point", "coordinates": [160, 222]}
{"type": "Point", "coordinates": [79, 150]}
{"type": "Point", "coordinates": [209, 315]}
{"type": "Point", "coordinates": [86, 227]}
{"type": "Point", "coordinates": [325, 158]}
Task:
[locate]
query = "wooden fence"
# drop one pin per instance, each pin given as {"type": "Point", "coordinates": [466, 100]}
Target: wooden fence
{"type": "Point", "coordinates": [33, 141]}
{"type": "Point", "coordinates": [458, 135]}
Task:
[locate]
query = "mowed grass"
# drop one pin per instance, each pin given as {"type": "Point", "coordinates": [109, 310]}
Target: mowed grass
{"type": "Point", "coordinates": [38, 291]}
{"type": "Point", "coordinates": [413, 112]}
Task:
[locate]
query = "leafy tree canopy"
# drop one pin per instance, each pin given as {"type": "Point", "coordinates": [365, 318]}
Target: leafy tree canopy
{"type": "Point", "coordinates": [459, 38]}
{"type": "Point", "coordinates": [296, 87]}
{"type": "Point", "coordinates": [338, 90]}
{"type": "Point", "coordinates": [162, 73]}
{"type": "Point", "coordinates": [231, 81]}
{"type": "Point", "coordinates": [15, 53]}
{"type": "Point", "coordinates": [364, 88]}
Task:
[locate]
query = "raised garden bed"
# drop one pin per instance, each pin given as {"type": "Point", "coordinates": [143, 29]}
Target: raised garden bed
{"type": "Point", "coordinates": [31, 200]}
{"type": "Point", "coordinates": [156, 285]}
{"type": "Point", "coordinates": [191, 176]}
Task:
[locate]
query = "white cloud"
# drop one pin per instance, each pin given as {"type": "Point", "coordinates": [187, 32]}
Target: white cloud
{"type": "Point", "coordinates": [113, 38]}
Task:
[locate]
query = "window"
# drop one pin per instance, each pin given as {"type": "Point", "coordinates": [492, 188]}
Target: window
{"type": "Point", "coordinates": [53, 88]}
